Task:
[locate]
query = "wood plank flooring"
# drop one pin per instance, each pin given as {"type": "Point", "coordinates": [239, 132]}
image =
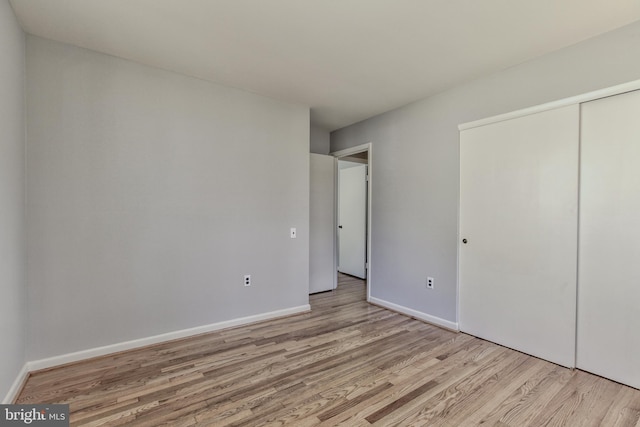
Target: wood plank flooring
{"type": "Point", "coordinates": [345, 363]}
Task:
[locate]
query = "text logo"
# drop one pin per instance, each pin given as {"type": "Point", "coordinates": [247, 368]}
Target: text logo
{"type": "Point", "coordinates": [34, 415]}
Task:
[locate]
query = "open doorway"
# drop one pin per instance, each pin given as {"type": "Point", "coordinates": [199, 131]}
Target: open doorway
{"type": "Point", "coordinates": [353, 213]}
{"type": "Point", "coordinates": [352, 218]}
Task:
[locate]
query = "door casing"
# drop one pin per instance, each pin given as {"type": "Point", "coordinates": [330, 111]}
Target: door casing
{"type": "Point", "coordinates": [368, 148]}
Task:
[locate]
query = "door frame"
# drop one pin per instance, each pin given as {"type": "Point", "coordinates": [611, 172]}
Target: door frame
{"type": "Point", "coordinates": [346, 153]}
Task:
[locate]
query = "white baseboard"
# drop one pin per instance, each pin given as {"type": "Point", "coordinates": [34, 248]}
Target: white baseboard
{"type": "Point", "coordinates": [446, 324]}
{"type": "Point", "coordinates": [50, 362]}
{"type": "Point", "coordinates": [17, 385]}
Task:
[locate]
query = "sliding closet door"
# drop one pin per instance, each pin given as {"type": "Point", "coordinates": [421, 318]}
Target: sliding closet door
{"type": "Point", "coordinates": [609, 273]}
{"type": "Point", "coordinates": [518, 217]}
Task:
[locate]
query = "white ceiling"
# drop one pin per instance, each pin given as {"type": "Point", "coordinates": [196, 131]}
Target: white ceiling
{"type": "Point", "coordinates": [346, 59]}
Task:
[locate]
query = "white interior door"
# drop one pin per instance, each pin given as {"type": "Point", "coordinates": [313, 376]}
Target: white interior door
{"type": "Point", "coordinates": [518, 214]}
{"type": "Point", "coordinates": [609, 272]}
{"type": "Point", "coordinates": [352, 219]}
{"type": "Point", "coordinates": [322, 266]}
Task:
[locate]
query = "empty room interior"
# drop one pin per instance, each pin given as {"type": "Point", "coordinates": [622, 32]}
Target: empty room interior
{"type": "Point", "coordinates": [319, 213]}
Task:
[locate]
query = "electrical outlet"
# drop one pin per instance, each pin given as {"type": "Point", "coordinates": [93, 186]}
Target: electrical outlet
{"type": "Point", "coordinates": [247, 280]}
{"type": "Point", "coordinates": [430, 282]}
{"type": "Point", "coordinates": [293, 233]}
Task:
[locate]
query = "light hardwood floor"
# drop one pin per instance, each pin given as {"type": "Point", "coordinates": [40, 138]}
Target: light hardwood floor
{"type": "Point", "coordinates": [345, 363]}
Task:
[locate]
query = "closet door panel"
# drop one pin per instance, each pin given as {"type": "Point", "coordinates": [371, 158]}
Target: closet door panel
{"type": "Point", "coordinates": [518, 212]}
{"type": "Point", "coordinates": [609, 263]}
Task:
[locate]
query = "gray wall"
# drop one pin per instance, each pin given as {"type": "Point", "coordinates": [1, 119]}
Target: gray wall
{"type": "Point", "coordinates": [12, 256]}
{"type": "Point", "coordinates": [319, 140]}
{"type": "Point", "coordinates": [416, 171]}
{"type": "Point", "coordinates": [150, 195]}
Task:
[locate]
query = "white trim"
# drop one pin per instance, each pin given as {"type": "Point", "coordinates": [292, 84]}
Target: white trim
{"type": "Point", "coordinates": [336, 171]}
{"type": "Point", "coordinates": [459, 236]}
{"type": "Point", "coordinates": [17, 385]}
{"type": "Point", "coordinates": [368, 147]}
{"type": "Point", "coordinates": [355, 160]}
{"type": "Point", "coordinates": [352, 150]}
{"type": "Point", "coordinates": [128, 345]}
{"type": "Point", "coordinates": [369, 210]}
{"type": "Point", "coordinates": [578, 99]}
{"type": "Point", "coordinates": [453, 326]}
